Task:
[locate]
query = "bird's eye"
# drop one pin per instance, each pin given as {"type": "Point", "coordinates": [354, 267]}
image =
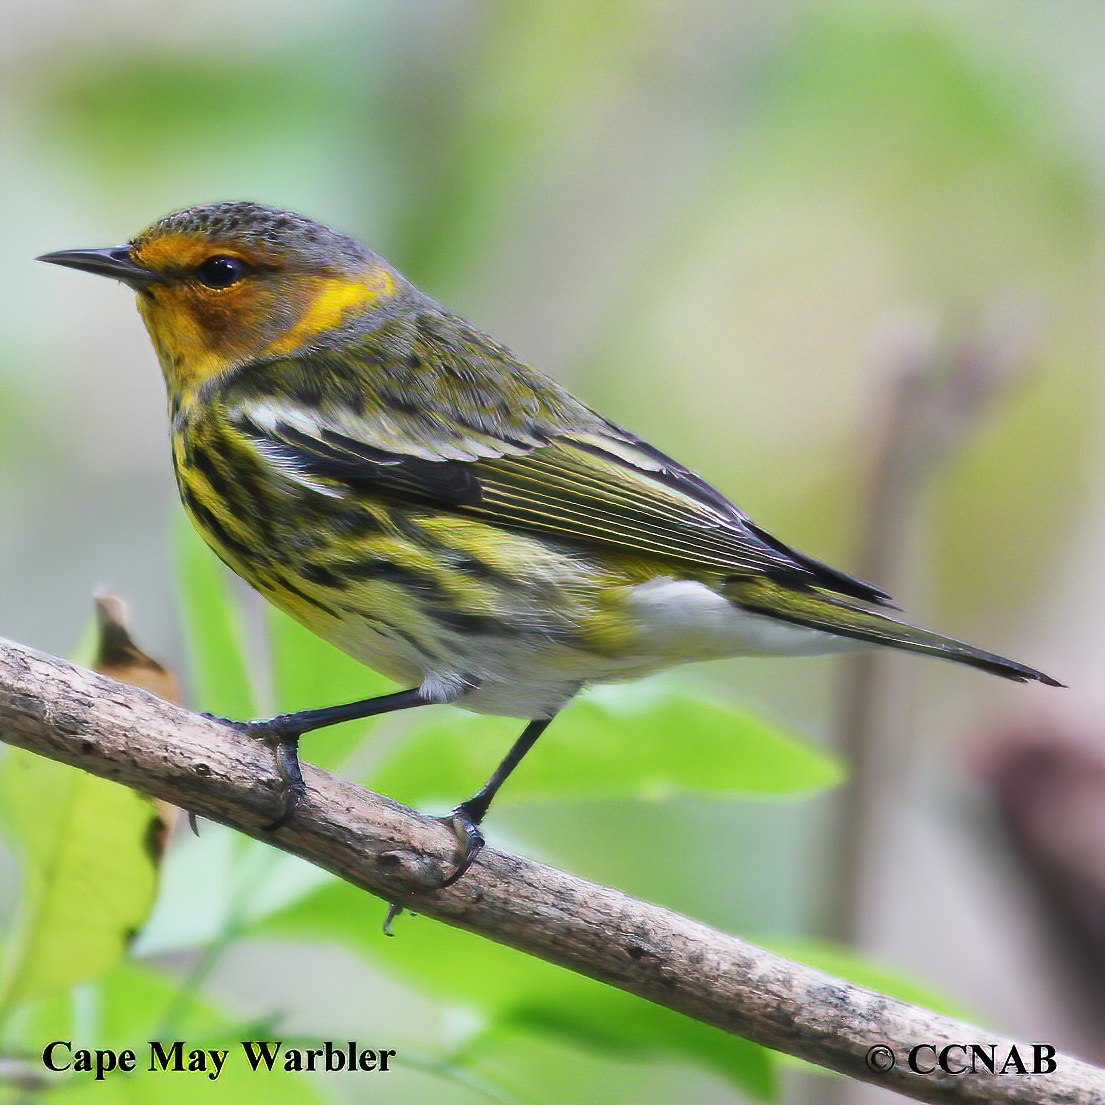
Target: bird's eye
{"type": "Point", "coordinates": [221, 272]}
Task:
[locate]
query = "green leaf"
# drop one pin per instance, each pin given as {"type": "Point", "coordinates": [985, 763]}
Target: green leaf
{"type": "Point", "coordinates": [126, 1004]}
{"type": "Point", "coordinates": [89, 873]}
{"type": "Point", "coordinates": [308, 673]}
{"type": "Point", "coordinates": [220, 676]}
{"type": "Point", "coordinates": [513, 991]}
{"type": "Point", "coordinates": [632, 744]}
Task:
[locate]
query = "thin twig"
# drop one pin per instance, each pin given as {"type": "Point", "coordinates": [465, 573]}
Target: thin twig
{"type": "Point", "coordinates": [119, 732]}
{"type": "Point", "coordinates": [938, 398]}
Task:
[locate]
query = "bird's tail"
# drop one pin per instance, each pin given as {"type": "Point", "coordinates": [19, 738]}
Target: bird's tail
{"type": "Point", "coordinates": [815, 609]}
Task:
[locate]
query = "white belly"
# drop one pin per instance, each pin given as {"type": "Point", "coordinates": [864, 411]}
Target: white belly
{"type": "Point", "coordinates": [674, 622]}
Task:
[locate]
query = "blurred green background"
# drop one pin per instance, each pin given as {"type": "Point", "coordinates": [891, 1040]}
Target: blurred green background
{"type": "Point", "coordinates": [719, 223]}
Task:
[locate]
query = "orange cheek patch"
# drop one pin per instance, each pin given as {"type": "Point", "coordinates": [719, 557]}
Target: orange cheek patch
{"type": "Point", "coordinates": [230, 316]}
{"type": "Point", "coordinates": [331, 300]}
{"type": "Point", "coordinates": [196, 338]}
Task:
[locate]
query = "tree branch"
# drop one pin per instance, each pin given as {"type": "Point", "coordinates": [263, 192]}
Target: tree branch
{"type": "Point", "coordinates": [119, 732]}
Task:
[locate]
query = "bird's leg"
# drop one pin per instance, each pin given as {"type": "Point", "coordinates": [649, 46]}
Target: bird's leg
{"type": "Point", "coordinates": [282, 732]}
{"type": "Point", "coordinates": [465, 819]}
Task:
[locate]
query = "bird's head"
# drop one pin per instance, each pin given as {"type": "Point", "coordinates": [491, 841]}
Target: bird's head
{"type": "Point", "coordinates": [226, 284]}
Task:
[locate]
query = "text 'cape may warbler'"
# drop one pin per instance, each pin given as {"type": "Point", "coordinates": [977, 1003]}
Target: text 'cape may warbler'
{"type": "Point", "coordinates": [407, 489]}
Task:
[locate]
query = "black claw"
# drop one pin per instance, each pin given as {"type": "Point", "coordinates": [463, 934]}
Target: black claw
{"type": "Point", "coordinates": [285, 751]}
{"type": "Point", "coordinates": [293, 789]}
{"type": "Point", "coordinates": [394, 909]}
{"type": "Point", "coordinates": [293, 795]}
{"type": "Point", "coordinates": [193, 824]}
{"type": "Point", "coordinates": [470, 839]}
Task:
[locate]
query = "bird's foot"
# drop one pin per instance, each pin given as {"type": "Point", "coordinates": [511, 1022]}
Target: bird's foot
{"type": "Point", "coordinates": [465, 827]}
{"type": "Point", "coordinates": [292, 788]}
{"type": "Point", "coordinates": [282, 735]}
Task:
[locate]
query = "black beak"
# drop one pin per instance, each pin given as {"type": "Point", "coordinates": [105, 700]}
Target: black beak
{"type": "Point", "coordinates": [115, 262]}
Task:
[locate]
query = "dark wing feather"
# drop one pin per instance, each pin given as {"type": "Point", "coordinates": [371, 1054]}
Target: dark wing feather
{"type": "Point", "coordinates": [335, 457]}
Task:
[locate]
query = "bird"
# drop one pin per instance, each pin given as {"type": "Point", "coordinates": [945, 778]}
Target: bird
{"type": "Point", "coordinates": [407, 488]}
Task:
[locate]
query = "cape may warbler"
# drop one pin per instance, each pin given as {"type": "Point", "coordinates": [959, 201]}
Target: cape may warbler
{"type": "Point", "coordinates": [405, 487]}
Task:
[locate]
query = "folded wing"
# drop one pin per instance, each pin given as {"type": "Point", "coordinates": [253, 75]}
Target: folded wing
{"type": "Point", "coordinates": [578, 479]}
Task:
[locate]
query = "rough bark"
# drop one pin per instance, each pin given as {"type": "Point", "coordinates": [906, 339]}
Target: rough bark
{"type": "Point", "coordinates": [119, 732]}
